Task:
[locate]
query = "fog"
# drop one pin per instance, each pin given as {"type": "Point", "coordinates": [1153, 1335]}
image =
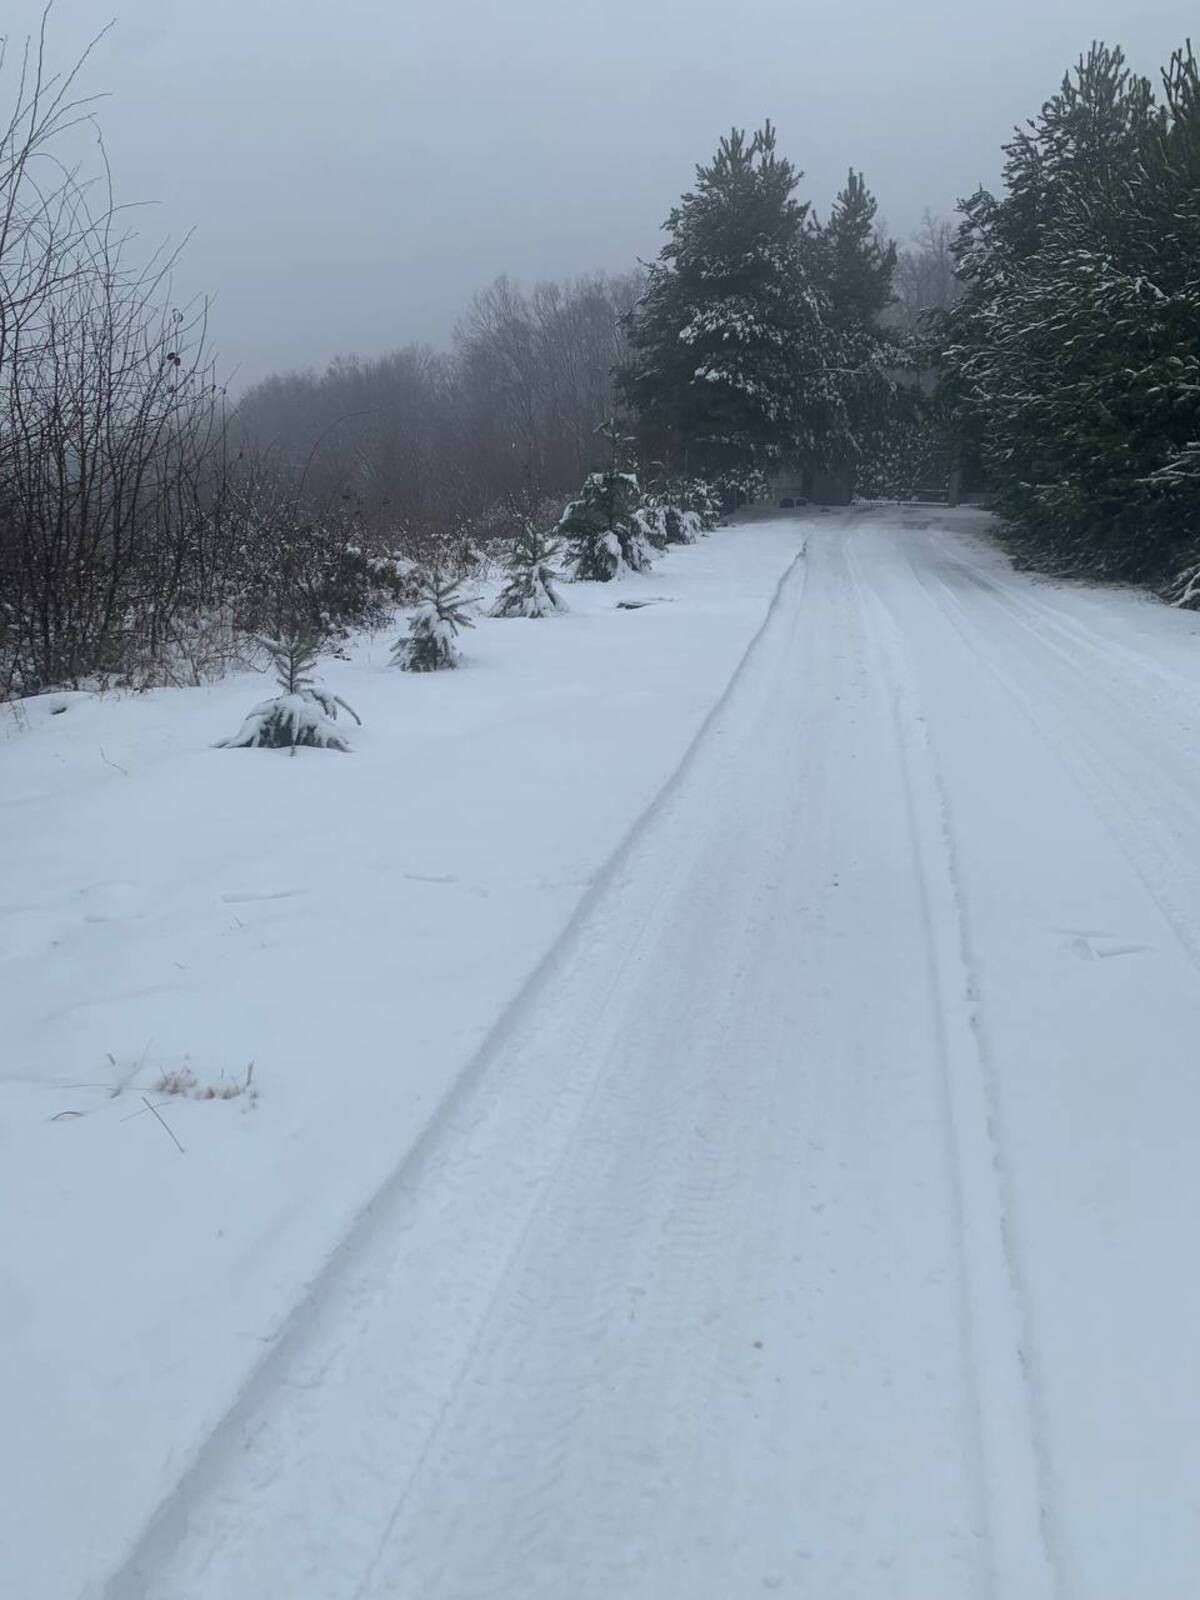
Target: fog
{"type": "Point", "coordinates": [351, 173]}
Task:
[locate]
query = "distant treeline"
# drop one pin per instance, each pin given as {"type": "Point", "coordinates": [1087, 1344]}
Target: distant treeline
{"type": "Point", "coordinates": [431, 444]}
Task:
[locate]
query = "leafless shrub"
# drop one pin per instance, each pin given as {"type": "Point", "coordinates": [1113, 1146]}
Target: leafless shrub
{"type": "Point", "coordinates": [146, 525]}
{"type": "Point", "coordinates": [112, 424]}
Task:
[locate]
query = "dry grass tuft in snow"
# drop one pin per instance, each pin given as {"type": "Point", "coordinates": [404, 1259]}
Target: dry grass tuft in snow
{"type": "Point", "coordinates": [183, 1081]}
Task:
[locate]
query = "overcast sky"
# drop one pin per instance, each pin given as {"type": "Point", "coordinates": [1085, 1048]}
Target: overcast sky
{"type": "Point", "coordinates": [355, 169]}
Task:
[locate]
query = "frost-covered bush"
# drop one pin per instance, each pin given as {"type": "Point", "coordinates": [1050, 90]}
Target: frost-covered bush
{"type": "Point", "coordinates": [650, 519]}
{"type": "Point", "coordinates": [683, 509]}
{"type": "Point", "coordinates": [302, 714]}
{"type": "Point", "coordinates": [739, 486]}
{"type": "Point", "coordinates": [601, 529]}
{"type": "Point", "coordinates": [703, 500]}
{"type": "Point", "coordinates": [431, 644]}
{"type": "Point", "coordinates": [531, 586]}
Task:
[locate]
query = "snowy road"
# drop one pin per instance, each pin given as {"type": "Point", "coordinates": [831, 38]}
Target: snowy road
{"type": "Point", "coordinates": [820, 1221]}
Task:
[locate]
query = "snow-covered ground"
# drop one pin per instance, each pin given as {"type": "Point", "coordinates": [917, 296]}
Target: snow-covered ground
{"type": "Point", "coordinates": [353, 925]}
{"type": "Point", "coordinates": [816, 1220]}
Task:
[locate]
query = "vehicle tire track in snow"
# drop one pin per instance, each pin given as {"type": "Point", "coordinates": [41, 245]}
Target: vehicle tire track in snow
{"type": "Point", "coordinates": [1077, 798]}
{"type": "Point", "coordinates": [594, 1492]}
{"type": "Point", "coordinates": [1020, 1498]}
{"type": "Point", "coordinates": [669, 1301]}
{"type": "Point", "coordinates": [696, 1284]}
{"type": "Point", "coordinates": [1132, 815]}
{"type": "Point", "coordinates": [288, 1363]}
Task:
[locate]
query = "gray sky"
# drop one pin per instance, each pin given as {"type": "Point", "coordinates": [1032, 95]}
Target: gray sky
{"type": "Point", "coordinates": [355, 169]}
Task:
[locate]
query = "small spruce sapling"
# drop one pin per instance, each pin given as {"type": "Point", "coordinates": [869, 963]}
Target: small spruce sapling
{"type": "Point", "coordinates": [650, 519]}
{"type": "Point", "coordinates": [599, 525]}
{"type": "Point", "coordinates": [431, 644]}
{"type": "Point", "coordinates": [704, 500]}
{"type": "Point", "coordinates": [604, 537]}
{"type": "Point", "coordinates": [303, 713]}
{"type": "Point", "coordinates": [667, 516]}
{"type": "Point", "coordinates": [532, 577]}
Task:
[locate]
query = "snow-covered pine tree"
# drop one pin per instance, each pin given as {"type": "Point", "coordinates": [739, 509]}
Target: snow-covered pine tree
{"type": "Point", "coordinates": [680, 525]}
{"type": "Point", "coordinates": [653, 521]}
{"type": "Point", "coordinates": [856, 269]}
{"type": "Point", "coordinates": [728, 345]}
{"type": "Point", "coordinates": [531, 589]}
{"type": "Point", "coordinates": [1075, 351]}
{"type": "Point", "coordinates": [303, 713]}
{"type": "Point", "coordinates": [431, 642]}
{"type": "Point", "coordinates": [703, 500]}
{"type": "Point", "coordinates": [600, 528]}
{"type": "Point", "coordinates": [663, 516]}
{"type": "Point", "coordinates": [740, 486]}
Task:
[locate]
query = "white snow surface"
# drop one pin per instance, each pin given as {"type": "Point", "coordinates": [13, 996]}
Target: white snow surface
{"type": "Point", "coordinates": [798, 1200]}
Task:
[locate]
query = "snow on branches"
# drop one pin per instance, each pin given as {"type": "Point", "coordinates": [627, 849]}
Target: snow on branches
{"type": "Point", "coordinates": [432, 641]}
{"type": "Point", "coordinates": [303, 714]}
{"type": "Point", "coordinates": [601, 530]}
{"type": "Point", "coordinates": [531, 587]}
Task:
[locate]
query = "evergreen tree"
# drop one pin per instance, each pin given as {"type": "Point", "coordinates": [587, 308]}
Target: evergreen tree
{"type": "Point", "coordinates": [303, 713]}
{"type": "Point", "coordinates": [1075, 352]}
{"type": "Point", "coordinates": [531, 589]}
{"type": "Point", "coordinates": [856, 269]}
{"type": "Point", "coordinates": [859, 267]}
{"type": "Point", "coordinates": [727, 347]}
{"type": "Point", "coordinates": [653, 521]}
{"type": "Point", "coordinates": [431, 644]}
{"type": "Point", "coordinates": [666, 516]}
{"type": "Point", "coordinates": [703, 501]}
{"type": "Point", "coordinates": [601, 531]}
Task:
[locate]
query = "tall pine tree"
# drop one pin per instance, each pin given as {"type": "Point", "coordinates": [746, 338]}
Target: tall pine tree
{"type": "Point", "coordinates": [859, 267]}
{"type": "Point", "coordinates": [728, 344]}
{"type": "Point", "coordinates": [856, 269]}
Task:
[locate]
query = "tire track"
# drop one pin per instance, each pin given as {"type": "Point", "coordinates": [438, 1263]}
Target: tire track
{"type": "Point", "coordinates": [300, 1361]}
{"type": "Point", "coordinates": [1102, 779]}
{"type": "Point", "coordinates": [1029, 1558]}
{"type": "Point", "coordinates": [697, 1286]}
{"type": "Point", "coordinates": [1080, 815]}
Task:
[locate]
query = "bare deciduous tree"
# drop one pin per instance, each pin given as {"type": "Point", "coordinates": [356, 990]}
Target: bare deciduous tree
{"type": "Point", "coordinates": [925, 275]}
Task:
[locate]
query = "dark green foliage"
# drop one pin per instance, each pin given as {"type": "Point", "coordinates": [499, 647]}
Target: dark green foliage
{"type": "Point", "coordinates": [740, 486]}
{"type": "Point", "coordinates": [858, 266]}
{"type": "Point", "coordinates": [727, 340]}
{"type": "Point", "coordinates": [675, 529]}
{"type": "Point", "coordinates": [669, 513]}
{"type": "Point", "coordinates": [431, 643]}
{"type": "Point", "coordinates": [1075, 352]}
{"type": "Point", "coordinates": [912, 459]}
{"type": "Point", "coordinates": [703, 500]}
{"type": "Point", "coordinates": [601, 531]}
{"type": "Point", "coordinates": [857, 271]}
{"type": "Point", "coordinates": [531, 589]}
{"type": "Point", "coordinates": [303, 713]}
{"type": "Point", "coordinates": [655, 521]}
{"type": "Point", "coordinates": [757, 343]}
